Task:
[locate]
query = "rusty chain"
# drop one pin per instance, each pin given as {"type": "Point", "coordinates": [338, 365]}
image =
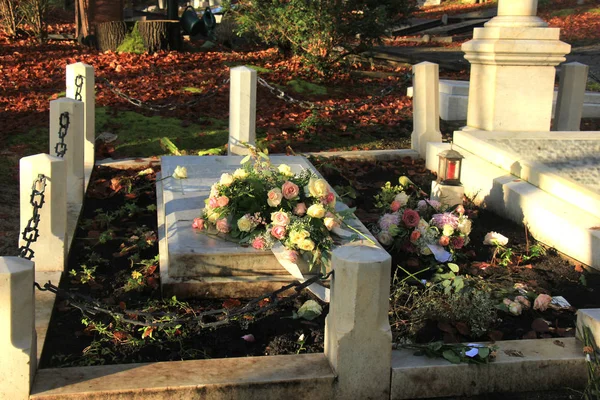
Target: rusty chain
{"type": "Point", "coordinates": [61, 147]}
{"type": "Point", "coordinates": [78, 87]}
{"type": "Point", "coordinates": [223, 316]}
{"type": "Point", "coordinates": [31, 232]}
{"type": "Point", "coordinates": [161, 107]}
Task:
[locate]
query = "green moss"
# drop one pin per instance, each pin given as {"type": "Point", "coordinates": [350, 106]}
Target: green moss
{"type": "Point", "coordinates": [192, 90]}
{"type": "Point", "coordinates": [593, 86]}
{"type": "Point", "coordinates": [133, 42]}
{"type": "Point", "coordinates": [300, 86]}
{"type": "Point", "coordinates": [564, 12]}
{"type": "Point", "coordinates": [594, 10]}
{"type": "Point", "coordinates": [141, 136]}
{"type": "Point", "coordinates": [58, 95]}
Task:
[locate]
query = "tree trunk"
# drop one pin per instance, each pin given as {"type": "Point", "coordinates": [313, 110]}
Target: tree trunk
{"type": "Point", "coordinates": [160, 35]}
{"type": "Point", "coordinates": [111, 34]}
{"type": "Point", "coordinates": [90, 13]}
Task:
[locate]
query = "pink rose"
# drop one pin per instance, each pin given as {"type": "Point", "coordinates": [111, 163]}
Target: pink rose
{"type": "Point", "coordinates": [457, 242]}
{"type": "Point", "coordinates": [329, 198]}
{"type": "Point", "coordinates": [280, 218]}
{"type": "Point", "coordinates": [259, 243]}
{"type": "Point", "coordinates": [411, 218]}
{"type": "Point", "coordinates": [198, 223]}
{"type": "Point", "coordinates": [444, 241]}
{"type": "Point", "coordinates": [460, 209]}
{"type": "Point", "coordinates": [290, 190]}
{"type": "Point", "coordinates": [524, 302]}
{"type": "Point", "coordinates": [223, 225]}
{"type": "Point", "coordinates": [415, 235]}
{"type": "Point", "coordinates": [395, 206]}
{"type": "Point", "coordinates": [278, 232]}
{"type": "Point", "coordinates": [300, 209]}
{"type": "Point", "coordinates": [542, 302]}
{"type": "Point", "coordinates": [213, 202]}
{"type": "Point", "coordinates": [274, 197]}
{"type": "Point", "coordinates": [223, 201]}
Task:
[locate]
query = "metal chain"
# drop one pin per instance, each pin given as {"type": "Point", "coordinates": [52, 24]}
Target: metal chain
{"type": "Point", "coordinates": [31, 232]}
{"type": "Point", "coordinates": [219, 317]}
{"type": "Point", "coordinates": [311, 105]}
{"type": "Point", "coordinates": [61, 147]}
{"type": "Point", "coordinates": [161, 107]}
{"type": "Point", "coordinates": [78, 87]}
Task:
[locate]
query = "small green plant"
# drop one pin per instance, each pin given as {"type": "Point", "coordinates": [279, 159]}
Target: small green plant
{"type": "Point", "coordinates": [456, 353]}
{"type": "Point", "coordinates": [313, 121]}
{"type": "Point", "coordinates": [133, 42]}
{"type": "Point", "coordinates": [592, 390]}
{"type": "Point", "coordinates": [86, 274]}
{"type": "Point", "coordinates": [450, 280]}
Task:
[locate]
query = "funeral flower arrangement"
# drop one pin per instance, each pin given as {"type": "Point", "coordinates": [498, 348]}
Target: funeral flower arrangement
{"type": "Point", "coordinates": [418, 225]}
{"type": "Point", "coordinates": [260, 205]}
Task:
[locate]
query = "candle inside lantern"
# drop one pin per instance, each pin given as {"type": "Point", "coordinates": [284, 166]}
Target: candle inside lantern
{"type": "Point", "coordinates": [451, 171]}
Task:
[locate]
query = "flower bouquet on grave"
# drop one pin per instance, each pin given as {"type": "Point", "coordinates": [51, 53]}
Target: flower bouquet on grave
{"type": "Point", "coordinates": [420, 226]}
{"type": "Point", "coordinates": [270, 207]}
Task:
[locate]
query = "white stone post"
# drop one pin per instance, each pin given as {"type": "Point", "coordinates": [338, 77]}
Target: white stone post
{"type": "Point", "coordinates": [74, 141]}
{"type": "Point", "coordinates": [242, 110]}
{"type": "Point", "coordinates": [571, 93]}
{"type": "Point", "coordinates": [358, 338]}
{"type": "Point", "coordinates": [88, 97]}
{"type": "Point", "coordinates": [17, 328]}
{"type": "Point", "coordinates": [426, 106]}
{"type": "Point", "coordinates": [50, 248]}
{"type": "Point", "coordinates": [512, 70]}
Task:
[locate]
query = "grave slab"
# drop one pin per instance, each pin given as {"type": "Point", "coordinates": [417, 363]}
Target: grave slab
{"type": "Point", "coordinates": [194, 264]}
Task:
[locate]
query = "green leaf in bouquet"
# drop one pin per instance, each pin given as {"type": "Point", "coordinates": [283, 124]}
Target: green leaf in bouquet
{"type": "Point", "coordinates": [245, 159]}
{"type": "Point", "coordinates": [451, 356]}
{"type": "Point", "coordinates": [484, 352]}
{"type": "Point", "coordinates": [453, 267]}
{"type": "Point", "coordinates": [458, 284]}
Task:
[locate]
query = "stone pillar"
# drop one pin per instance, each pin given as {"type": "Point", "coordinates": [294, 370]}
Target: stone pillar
{"type": "Point", "coordinates": [571, 94]}
{"type": "Point", "coordinates": [242, 110]}
{"type": "Point", "coordinates": [88, 97]}
{"type": "Point", "coordinates": [74, 141]}
{"type": "Point", "coordinates": [512, 70]}
{"type": "Point", "coordinates": [50, 248]}
{"type": "Point", "coordinates": [17, 330]}
{"type": "Point", "coordinates": [358, 338]}
{"type": "Point", "coordinates": [426, 106]}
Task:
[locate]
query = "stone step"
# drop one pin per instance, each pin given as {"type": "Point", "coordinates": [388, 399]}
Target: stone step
{"type": "Point", "coordinates": [551, 220]}
{"type": "Point", "coordinates": [265, 378]}
{"type": "Point", "coordinates": [564, 164]}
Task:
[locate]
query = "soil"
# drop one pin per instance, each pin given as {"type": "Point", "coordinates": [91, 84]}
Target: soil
{"type": "Point", "coordinates": [276, 332]}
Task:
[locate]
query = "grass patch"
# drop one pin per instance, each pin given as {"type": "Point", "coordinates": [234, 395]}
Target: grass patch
{"type": "Point", "coordinates": [141, 136]}
{"type": "Point", "coordinates": [133, 42]}
{"type": "Point", "coordinates": [593, 86]}
{"type": "Point", "coordinates": [594, 10]}
{"type": "Point", "coordinates": [58, 95]}
{"type": "Point", "coordinates": [563, 13]}
{"type": "Point", "coordinates": [300, 86]}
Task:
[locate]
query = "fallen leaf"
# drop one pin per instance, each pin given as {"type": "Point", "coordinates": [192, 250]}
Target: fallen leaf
{"type": "Point", "coordinates": [530, 335]}
{"type": "Point", "coordinates": [231, 303]}
{"type": "Point", "coordinates": [513, 353]}
{"type": "Point", "coordinates": [463, 328]}
{"type": "Point", "coordinates": [540, 326]}
{"type": "Point", "coordinates": [495, 335]}
{"type": "Point", "coordinates": [578, 268]}
{"type": "Point", "coordinates": [446, 327]}
{"type": "Point", "coordinates": [559, 343]}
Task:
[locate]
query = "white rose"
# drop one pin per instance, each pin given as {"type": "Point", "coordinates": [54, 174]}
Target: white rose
{"type": "Point", "coordinates": [316, 211]}
{"type": "Point", "coordinates": [385, 238]}
{"type": "Point", "coordinates": [401, 198]}
{"type": "Point", "coordinates": [226, 179]}
{"type": "Point", "coordinates": [447, 230]}
{"type": "Point", "coordinates": [515, 308]}
{"type": "Point", "coordinates": [495, 239]}
{"type": "Point", "coordinates": [274, 197]}
{"type": "Point", "coordinates": [464, 226]}
{"type": "Point", "coordinates": [244, 224]}
{"type": "Point", "coordinates": [285, 169]}
{"type": "Point", "coordinates": [318, 187]}
{"type": "Point", "coordinates": [180, 173]}
{"type": "Point", "coordinates": [330, 223]}
{"type": "Point", "coordinates": [240, 173]}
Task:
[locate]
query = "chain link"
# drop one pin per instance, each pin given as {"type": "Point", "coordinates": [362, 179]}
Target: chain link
{"type": "Point", "coordinates": [217, 317]}
{"type": "Point", "coordinates": [31, 232]}
{"type": "Point", "coordinates": [286, 97]}
{"type": "Point", "coordinates": [161, 107]}
{"type": "Point", "coordinates": [78, 87]}
{"type": "Point", "coordinates": [61, 147]}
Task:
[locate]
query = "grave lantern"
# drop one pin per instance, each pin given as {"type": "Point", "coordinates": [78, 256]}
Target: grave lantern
{"type": "Point", "coordinates": [449, 167]}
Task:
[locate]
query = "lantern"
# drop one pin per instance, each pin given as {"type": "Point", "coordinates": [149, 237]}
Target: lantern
{"type": "Point", "coordinates": [449, 167]}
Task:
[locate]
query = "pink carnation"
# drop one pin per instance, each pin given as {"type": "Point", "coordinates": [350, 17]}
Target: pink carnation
{"type": "Point", "coordinates": [445, 219]}
{"type": "Point", "coordinates": [388, 220]}
{"type": "Point", "coordinates": [222, 201]}
{"type": "Point", "coordinates": [328, 198]}
{"type": "Point", "coordinates": [198, 223]}
{"type": "Point", "coordinates": [422, 205]}
{"type": "Point", "coordinates": [395, 206]}
{"type": "Point", "coordinates": [460, 209]}
{"type": "Point", "coordinates": [415, 235]}
{"type": "Point", "coordinates": [223, 225]}
{"type": "Point", "coordinates": [278, 232]}
{"type": "Point", "coordinates": [259, 243]}
{"type": "Point", "coordinates": [411, 218]}
{"type": "Point", "coordinates": [290, 190]}
{"type": "Point", "coordinates": [300, 209]}
{"type": "Point", "coordinates": [444, 241]}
